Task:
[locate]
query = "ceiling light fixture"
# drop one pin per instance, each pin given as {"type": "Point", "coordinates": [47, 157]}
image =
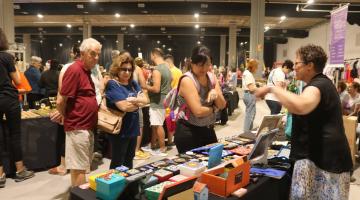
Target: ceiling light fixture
{"type": "Point", "coordinates": [117, 15]}
{"type": "Point", "coordinates": [92, 0]}
{"type": "Point", "coordinates": [198, 42]}
{"type": "Point", "coordinates": [60, 44]}
{"type": "Point", "coordinates": [267, 28]}
{"type": "Point", "coordinates": [163, 45]}
{"type": "Point", "coordinates": [282, 18]}
{"type": "Point", "coordinates": [117, 41]}
{"type": "Point", "coordinates": [79, 41]}
{"type": "Point", "coordinates": [158, 41]}
{"type": "Point", "coordinates": [132, 25]}
{"type": "Point", "coordinates": [40, 15]}
{"type": "Point", "coordinates": [68, 25]}
{"type": "Point", "coordinates": [80, 6]}
{"type": "Point", "coordinates": [141, 5]}
{"type": "Point", "coordinates": [196, 15]}
{"type": "Point", "coordinates": [197, 26]}
{"type": "Point", "coordinates": [310, 1]}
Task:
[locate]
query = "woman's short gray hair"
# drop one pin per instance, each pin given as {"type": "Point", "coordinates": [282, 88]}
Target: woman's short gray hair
{"type": "Point", "coordinates": [88, 43]}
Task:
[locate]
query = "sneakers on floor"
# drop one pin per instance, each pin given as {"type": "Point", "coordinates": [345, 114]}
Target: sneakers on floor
{"type": "Point", "coordinates": [140, 155]}
{"type": "Point", "coordinates": [23, 175]}
{"type": "Point", "coordinates": [2, 180]}
{"type": "Point", "coordinates": [158, 152]}
{"type": "Point", "coordinates": [146, 148]}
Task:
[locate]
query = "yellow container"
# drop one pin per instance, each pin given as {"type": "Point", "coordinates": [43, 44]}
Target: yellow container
{"type": "Point", "coordinates": [92, 180]}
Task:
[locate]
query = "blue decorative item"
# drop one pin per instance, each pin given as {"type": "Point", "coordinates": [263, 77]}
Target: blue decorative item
{"type": "Point", "coordinates": [215, 154]}
{"type": "Point", "coordinates": [109, 187]}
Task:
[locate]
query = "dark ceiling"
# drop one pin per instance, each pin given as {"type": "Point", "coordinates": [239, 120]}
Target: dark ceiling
{"type": "Point", "coordinates": [169, 8]}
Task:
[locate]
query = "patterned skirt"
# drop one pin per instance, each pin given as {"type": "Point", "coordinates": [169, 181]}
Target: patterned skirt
{"type": "Point", "coordinates": [311, 182]}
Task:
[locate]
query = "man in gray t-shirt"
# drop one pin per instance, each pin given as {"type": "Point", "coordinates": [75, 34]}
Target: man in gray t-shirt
{"type": "Point", "coordinates": [161, 85]}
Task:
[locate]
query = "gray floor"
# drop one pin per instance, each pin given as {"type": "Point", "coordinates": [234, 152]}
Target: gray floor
{"type": "Point", "coordinates": [44, 186]}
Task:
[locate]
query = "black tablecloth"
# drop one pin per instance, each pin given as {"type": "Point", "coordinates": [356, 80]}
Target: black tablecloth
{"type": "Point", "coordinates": [265, 188]}
{"type": "Point", "coordinates": [38, 137]}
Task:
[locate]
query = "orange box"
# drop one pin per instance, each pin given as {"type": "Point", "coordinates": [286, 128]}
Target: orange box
{"type": "Point", "coordinates": [237, 177]}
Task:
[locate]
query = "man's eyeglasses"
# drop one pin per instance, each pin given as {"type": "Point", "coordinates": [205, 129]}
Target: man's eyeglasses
{"type": "Point", "coordinates": [126, 70]}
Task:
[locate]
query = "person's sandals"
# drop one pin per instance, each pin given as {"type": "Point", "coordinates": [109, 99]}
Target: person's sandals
{"type": "Point", "coordinates": [23, 175]}
{"type": "Point", "coordinates": [2, 180]}
{"type": "Point", "coordinates": [57, 171]}
{"type": "Point", "coordinates": [140, 155]}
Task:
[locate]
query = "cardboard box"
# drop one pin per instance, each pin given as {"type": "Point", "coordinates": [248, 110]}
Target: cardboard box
{"type": "Point", "coordinates": [110, 186]}
{"type": "Point", "coordinates": [223, 181]}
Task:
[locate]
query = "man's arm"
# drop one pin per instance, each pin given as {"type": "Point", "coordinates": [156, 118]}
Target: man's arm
{"type": "Point", "coordinates": [61, 104]}
{"type": "Point", "coordinates": [156, 77]}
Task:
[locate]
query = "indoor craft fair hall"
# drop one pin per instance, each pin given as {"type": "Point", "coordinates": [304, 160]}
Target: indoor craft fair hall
{"type": "Point", "coordinates": [179, 100]}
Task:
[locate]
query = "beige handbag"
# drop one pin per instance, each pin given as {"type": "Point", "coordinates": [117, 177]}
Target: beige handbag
{"type": "Point", "coordinates": [109, 120]}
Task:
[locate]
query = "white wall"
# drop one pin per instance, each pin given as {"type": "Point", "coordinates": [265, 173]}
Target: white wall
{"type": "Point", "coordinates": [320, 35]}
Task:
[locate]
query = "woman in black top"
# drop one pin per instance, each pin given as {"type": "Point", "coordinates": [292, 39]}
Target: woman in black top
{"type": "Point", "coordinates": [50, 79]}
{"type": "Point", "coordinates": [10, 106]}
{"type": "Point", "coordinates": [319, 146]}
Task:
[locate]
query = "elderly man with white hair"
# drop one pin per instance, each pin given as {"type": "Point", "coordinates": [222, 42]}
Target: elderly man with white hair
{"type": "Point", "coordinates": [79, 108]}
{"type": "Point", "coordinates": [33, 75]}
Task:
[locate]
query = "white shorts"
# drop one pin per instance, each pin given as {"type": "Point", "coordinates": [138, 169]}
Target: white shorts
{"type": "Point", "coordinates": [157, 116]}
{"type": "Point", "coordinates": [79, 148]}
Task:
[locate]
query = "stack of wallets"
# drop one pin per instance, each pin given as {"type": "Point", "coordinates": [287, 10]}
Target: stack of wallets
{"type": "Point", "coordinates": [160, 164]}
{"type": "Point", "coordinates": [174, 169]}
{"type": "Point", "coordinates": [132, 172]}
{"type": "Point", "coordinates": [92, 179]}
{"type": "Point", "coordinates": [242, 150]}
{"type": "Point", "coordinates": [230, 145]}
{"type": "Point", "coordinates": [178, 178]}
{"type": "Point", "coordinates": [109, 186]}
{"type": "Point", "coordinates": [153, 192]}
{"type": "Point", "coordinates": [122, 168]}
{"type": "Point", "coordinates": [187, 157]}
{"type": "Point", "coordinates": [192, 169]}
{"type": "Point", "coordinates": [163, 175]}
{"type": "Point", "coordinates": [153, 180]}
{"type": "Point", "coordinates": [179, 160]}
{"type": "Point", "coordinates": [135, 177]}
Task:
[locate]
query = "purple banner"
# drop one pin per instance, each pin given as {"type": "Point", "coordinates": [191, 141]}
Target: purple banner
{"type": "Point", "coordinates": [338, 28]}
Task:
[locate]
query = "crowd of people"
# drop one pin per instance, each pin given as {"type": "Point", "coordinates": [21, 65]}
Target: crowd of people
{"type": "Point", "coordinates": [130, 86]}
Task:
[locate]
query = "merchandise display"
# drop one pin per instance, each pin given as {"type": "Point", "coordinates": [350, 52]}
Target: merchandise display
{"type": "Point", "coordinates": [109, 186]}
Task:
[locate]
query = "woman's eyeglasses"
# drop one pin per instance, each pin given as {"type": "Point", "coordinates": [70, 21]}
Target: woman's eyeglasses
{"type": "Point", "coordinates": [126, 70]}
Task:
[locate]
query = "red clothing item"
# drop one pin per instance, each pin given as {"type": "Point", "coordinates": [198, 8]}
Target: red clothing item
{"type": "Point", "coordinates": [81, 107]}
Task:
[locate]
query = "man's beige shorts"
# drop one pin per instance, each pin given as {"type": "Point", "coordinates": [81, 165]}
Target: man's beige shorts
{"type": "Point", "coordinates": [79, 149]}
{"type": "Point", "coordinates": [157, 116]}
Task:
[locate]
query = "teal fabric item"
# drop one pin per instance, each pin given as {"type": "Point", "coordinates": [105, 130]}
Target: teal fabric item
{"type": "Point", "coordinates": [288, 126]}
{"type": "Point", "coordinates": [110, 189]}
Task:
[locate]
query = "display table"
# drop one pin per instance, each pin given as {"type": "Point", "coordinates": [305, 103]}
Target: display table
{"type": "Point", "coordinates": [38, 137]}
{"type": "Point", "coordinates": [266, 187]}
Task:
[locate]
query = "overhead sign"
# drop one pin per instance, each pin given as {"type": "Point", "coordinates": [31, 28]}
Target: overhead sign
{"type": "Point", "coordinates": [338, 33]}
